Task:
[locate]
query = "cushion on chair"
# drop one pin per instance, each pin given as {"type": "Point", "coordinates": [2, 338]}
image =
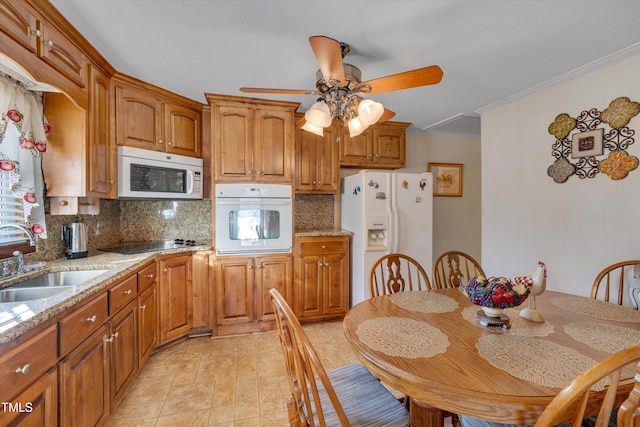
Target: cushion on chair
{"type": "Point", "coordinates": [365, 401]}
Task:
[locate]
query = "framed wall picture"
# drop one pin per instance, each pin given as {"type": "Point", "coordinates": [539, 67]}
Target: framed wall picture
{"type": "Point", "coordinates": [447, 179]}
{"type": "Point", "coordinates": [586, 144]}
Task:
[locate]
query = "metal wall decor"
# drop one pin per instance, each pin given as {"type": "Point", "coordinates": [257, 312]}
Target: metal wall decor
{"type": "Point", "coordinates": [590, 141]}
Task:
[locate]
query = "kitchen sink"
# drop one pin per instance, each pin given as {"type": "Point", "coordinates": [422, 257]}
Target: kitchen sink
{"type": "Point", "coordinates": [59, 278]}
{"type": "Point", "coordinates": [17, 294]}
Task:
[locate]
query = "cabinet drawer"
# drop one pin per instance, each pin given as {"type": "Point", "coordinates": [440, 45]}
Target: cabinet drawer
{"type": "Point", "coordinates": [28, 362]}
{"type": "Point", "coordinates": [123, 293]}
{"type": "Point", "coordinates": [77, 326]}
{"type": "Point", "coordinates": [147, 276]}
{"type": "Point", "coordinates": [323, 246]}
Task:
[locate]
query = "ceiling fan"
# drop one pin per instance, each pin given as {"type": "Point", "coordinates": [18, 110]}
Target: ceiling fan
{"type": "Point", "coordinates": [341, 91]}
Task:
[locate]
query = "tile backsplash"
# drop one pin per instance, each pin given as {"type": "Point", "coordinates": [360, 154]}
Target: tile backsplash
{"type": "Point", "coordinates": [146, 220]}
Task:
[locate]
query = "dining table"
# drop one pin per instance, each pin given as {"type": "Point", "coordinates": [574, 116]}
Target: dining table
{"type": "Point", "coordinates": [435, 347]}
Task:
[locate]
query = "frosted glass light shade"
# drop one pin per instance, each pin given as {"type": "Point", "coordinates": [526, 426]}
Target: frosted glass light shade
{"type": "Point", "coordinates": [356, 127]}
{"type": "Point", "coordinates": [369, 111]}
{"type": "Point", "coordinates": [318, 115]}
{"type": "Point", "coordinates": [313, 129]}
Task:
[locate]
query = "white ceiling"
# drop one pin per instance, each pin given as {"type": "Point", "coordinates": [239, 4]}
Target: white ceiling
{"type": "Point", "coordinates": [491, 51]}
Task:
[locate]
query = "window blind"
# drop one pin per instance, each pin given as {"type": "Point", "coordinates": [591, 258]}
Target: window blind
{"type": "Point", "coordinates": [11, 207]}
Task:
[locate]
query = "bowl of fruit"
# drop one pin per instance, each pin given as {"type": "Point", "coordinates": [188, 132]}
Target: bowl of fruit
{"type": "Point", "coordinates": [494, 294]}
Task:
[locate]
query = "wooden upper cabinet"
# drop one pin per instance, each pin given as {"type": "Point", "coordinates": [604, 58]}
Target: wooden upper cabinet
{"type": "Point", "coordinates": [381, 146]}
{"type": "Point", "coordinates": [253, 139]}
{"type": "Point", "coordinates": [150, 118]}
{"type": "Point", "coordinates": [18, 23]}
{"type": "Point", "coordinates": [138, 119]}
{"type": "Point", "coordinates": [102, 156]}
{"type": "Point", "coordinates": [317, 166]}
{"type": "Point", "coordinates": [61, 54]}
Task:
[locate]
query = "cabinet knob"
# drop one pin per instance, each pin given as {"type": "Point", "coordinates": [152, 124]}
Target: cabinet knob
{"type": "Point", "coordinates": [251, 267]}
{"type": "Point", "coordinates": [169, 143]}
{"type": "Point", "coordinates": [92, 319]}
{"type": "Point", "coordinates": [150, 276]}
{"type": "Point", "coordinates": [36, 33]}
{"type": "Point", "coordinates": [143, 307]}
{"type": "Point", "coordinates": [369, 155]}
{"type": "Point", "coordinates": [324, 247]}
{"type": "Point", "coordinates": [164, 270]}
{"type": "Point", "coordinates": [127, 292]}
{"type": "Point", "coordinates": [109, 181]}
{"type": "Point", "coordinates": [314, 183]}
{"type": "Point", "coordinates": [249, 172]}
{"type": "Point", "coordinates": [160, 141]}
{"type": "Point", "coordinates": [24, 370]}
{"type": "Point", "coordinates": [49, 43]}
{"type": "Point", "coordinates": [112, 337]}
{"type": "Point", "coordinates": [338, 139]}
{"type": "Point", "coordinates": [63, 203]}
{"type": "Point", "coordinates": [377, 155]}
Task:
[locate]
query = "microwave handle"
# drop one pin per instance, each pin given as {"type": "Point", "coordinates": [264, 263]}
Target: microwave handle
{"type": "Point", "coordinates": [190, 181]}
{"type": "Point", "coordinates": [237, 201]}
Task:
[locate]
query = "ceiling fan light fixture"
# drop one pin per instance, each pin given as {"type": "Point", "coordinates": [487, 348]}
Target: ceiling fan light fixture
{"type": "Point", "coordinates": [318, 115]}
{"type": "Point", "coordinates": [356, 127]}
{"type": "Point", "coordinates": [313, 129]}
{"type": "Point", "coordinates": [369, 111]}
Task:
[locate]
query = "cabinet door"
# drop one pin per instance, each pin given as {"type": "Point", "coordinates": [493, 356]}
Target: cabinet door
{"type": "Point", "coordinates": [102, 156]}
{"type": "Point", "coordinates": [308, 292]}
{"type": "Point", "coordinates": [61, 54]}
{"type": "Point", "coordinates": [18, 24]}
{"type": "Point", "coordinates": [335, 281]}
{"type": "Point", "coordinates": [176, 301]}
{"type": "Point", "coordinates": [138, 119]}
{"type": "Point", "coordinates": [147, 323]}
{"type": "Point", "coordinates": [234, 294]}
{"type": "Point", "coordinates": [123, 347]}
{"type": "Point", "coordinates": [273, 150]}
{"type": "Point", "coordinates": [272, 271]}
{"type": "Point", "coordinates": [357, 151]}
{"type": "Point", "coordinates": [84, 382]}
{"type": "Point", "coordinates": [37, 405]}
{"type": "Point", "coordinates": [317, 165]}
{"type": "Point", "coordinates": [389, 146]}
{"type": "Point", "coordinates": [182, 130]}
{"type": "Point", "coordinates": [232, 126]}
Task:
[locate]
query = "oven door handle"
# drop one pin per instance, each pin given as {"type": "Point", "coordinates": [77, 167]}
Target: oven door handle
{"type": "Point", "coordinates": [269, 202]}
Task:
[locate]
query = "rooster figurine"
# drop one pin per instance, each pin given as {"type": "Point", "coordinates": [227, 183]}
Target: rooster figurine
{"type": "Point", "coordinates": [536, 282]}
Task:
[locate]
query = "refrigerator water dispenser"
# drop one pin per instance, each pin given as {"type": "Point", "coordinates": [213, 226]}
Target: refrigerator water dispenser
{"type": "Point", "coordinates": [377, 232]}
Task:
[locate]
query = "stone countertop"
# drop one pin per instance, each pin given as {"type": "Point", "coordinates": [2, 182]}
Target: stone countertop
{"type": "Point", "coordinates": [19, 317]}
{"type": "Point", "coordinates": [322, 232]}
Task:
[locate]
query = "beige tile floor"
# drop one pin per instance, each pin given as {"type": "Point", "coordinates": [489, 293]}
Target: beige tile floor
{"type": "Point", "coordinates": [227, 381]}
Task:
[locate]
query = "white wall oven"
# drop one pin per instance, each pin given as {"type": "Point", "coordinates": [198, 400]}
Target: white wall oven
{"type": "Point", "coordinates": [253, 218]}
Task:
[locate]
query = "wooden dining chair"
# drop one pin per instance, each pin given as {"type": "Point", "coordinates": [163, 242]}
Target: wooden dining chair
{"type": "Point", "coordinates": [396, 273]}
{"type": "Point", "coordinates": [453, 267]}
{"type": "Point", "coordinates": [615, 280]}
{"type": "Point", "coordinates": [347, 396]}
{"type": "Point", "coordinates": [573, 401]}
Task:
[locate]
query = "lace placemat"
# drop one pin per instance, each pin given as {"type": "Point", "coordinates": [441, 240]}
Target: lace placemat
{"type": "Point", "coordinates": [597, 309]}
{"type": "Point", "coordinates": [424, 301]}
{"type": "Point", "coordinates": [519, 326]}
{"type": "Point", "coordinates": [600, 336]}
{"type": "Point", "coordinates": [398, 336]}
{"type": "Point", "coordinates": [543, 362]}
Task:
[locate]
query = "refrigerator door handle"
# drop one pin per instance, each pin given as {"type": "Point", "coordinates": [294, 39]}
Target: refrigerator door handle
{"type": "Point", "coordinates": [393, 238]}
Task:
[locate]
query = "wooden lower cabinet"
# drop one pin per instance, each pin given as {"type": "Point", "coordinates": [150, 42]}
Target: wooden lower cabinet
{"type": "Point", "coordinates": [321, 289]}
{"type": "Point", "coordinates": [84, 382]}
{"type": "Point", "coordinates": [242, 284]}
{"type": "Point", "coordinates": [123, 348]}
{"type": "Point", "coordinates": [147, 323]}
{"type": "Point", "coordinates": [175, 297]}
{"type": "Point", "coordinates": [37, 406]}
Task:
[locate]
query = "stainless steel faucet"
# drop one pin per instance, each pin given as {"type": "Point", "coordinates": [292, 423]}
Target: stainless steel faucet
{"type": "Point", "coordinates": [22, 227]}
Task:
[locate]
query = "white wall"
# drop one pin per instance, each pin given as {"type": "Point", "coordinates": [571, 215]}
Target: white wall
{"type": "Point", "coordinates": [577, 227]}
{"type": "Point", "coordinates": [456, 220]}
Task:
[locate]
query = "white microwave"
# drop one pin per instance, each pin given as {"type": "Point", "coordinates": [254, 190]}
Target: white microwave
{"type": "Point", "coordinates": [253, 218]}
{"type": "Point", "coordinates": [148, 174]}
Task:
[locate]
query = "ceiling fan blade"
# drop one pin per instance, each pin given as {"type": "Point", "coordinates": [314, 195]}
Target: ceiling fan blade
{"type": "Point", "coordinates": [387, 115]}
{"type": "Point", "coordinates": [281, 91]}
{"type": "Point", "coordinates": [415, 78]}
{"type": "Point", "coordinates": [329, 56]}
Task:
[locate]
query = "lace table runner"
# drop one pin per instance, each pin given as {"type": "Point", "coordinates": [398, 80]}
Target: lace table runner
{"type": "Point", "coordinates": [398, 336]}
{"type": "Point", "coordinates": [519, 326]}
{"type": "Point", "coordinates": [424, 301]}
{"type": "Point", "coordinates": [597, 309]}
{"type": "Point", "coordinates": [533, 359]}
{"type": "Point", "coordinates": [600, 336]}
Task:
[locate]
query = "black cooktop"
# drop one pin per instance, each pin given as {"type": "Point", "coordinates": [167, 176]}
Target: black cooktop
{"type": "Point", "coordinates": [127, 248]}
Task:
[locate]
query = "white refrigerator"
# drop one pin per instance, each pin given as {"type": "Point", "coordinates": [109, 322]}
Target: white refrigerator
{"type": "Point", "coordinates": [387, 212]}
